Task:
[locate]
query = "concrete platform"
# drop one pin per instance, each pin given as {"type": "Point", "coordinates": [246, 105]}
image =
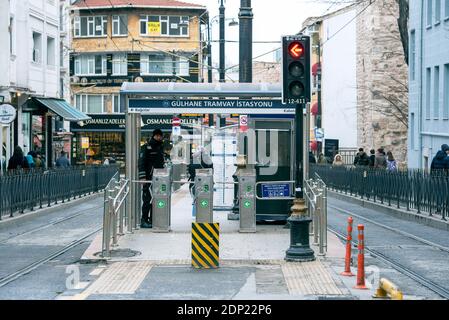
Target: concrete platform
{"type": "Point", "coordinates": [252, 266]}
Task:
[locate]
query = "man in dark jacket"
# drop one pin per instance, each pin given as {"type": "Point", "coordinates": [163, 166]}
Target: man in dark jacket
{"type": "Point", "coordinates": [441, 160]}
{"type": "Point", "coordinates": [361, 158]}
{"type": "Point", "coordinates": [152, 157]}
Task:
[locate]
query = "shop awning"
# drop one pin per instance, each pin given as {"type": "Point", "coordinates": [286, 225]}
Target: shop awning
{"type": "Point", "coordinates": [63, 109]}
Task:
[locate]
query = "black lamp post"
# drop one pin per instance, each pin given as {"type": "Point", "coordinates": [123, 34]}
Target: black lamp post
{"type": "Point", "coordinates": [246, 41]}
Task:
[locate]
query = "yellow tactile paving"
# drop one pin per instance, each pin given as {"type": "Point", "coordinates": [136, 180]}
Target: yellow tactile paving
{"type": "Point", "coordinates": [309, 278]}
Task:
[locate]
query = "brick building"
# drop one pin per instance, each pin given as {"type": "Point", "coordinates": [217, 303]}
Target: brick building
{"type": "Point", "coordinates": [116, 41]}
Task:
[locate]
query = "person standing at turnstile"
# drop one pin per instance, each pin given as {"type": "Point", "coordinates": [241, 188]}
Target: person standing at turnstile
{"type": "Point", "coordinates": [152, 157]}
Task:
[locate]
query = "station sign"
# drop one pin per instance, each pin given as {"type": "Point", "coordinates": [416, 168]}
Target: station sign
{"type": "Point", "coordinates": [207, 106]}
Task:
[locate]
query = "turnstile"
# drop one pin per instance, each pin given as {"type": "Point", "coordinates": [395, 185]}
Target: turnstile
{"type": "Point", "coordinates": [161, 189]}
{"type": "Point", "coordinates": [204, 195]}
{"type": "Point", "coordinates": [247, 200]}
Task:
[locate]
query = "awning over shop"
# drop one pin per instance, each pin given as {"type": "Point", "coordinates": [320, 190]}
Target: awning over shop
{"type": "Point", "coordinates": [63, 109]}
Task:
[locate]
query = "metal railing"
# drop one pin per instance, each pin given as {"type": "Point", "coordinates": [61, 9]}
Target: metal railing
{"type": "Point", "coordinates": [315, 194]}
{"type": "Point", "coordinates": [32, 189]}
{"type": "Point", "coordinates": [409, 189]}
{"type": "Point", "coordinates": [114, 217]}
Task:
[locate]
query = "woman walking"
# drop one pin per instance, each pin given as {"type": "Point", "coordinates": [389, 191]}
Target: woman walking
{"type": "Point", "coordinates": [18, 160]}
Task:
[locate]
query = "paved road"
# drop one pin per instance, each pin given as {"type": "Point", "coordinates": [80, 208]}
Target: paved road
{"type": "Point", "coordinates": [30, 239]}
{"type": "Point", "coordinates": [397, 244]}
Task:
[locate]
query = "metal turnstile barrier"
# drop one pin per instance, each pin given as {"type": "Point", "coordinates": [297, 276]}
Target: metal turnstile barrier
{"type": "Point", "coordinates": [247, 200]}
{"type": "Point", "coordinates": [204, 195]}
{"type": "Point", "coordinates": [161, 187]}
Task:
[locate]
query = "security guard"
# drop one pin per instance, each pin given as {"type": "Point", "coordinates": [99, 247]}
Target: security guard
{"type": "Point", "coordinates": [151, 157]}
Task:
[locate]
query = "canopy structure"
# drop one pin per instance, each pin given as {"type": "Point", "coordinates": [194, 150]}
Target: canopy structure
{"type": "Point", "coordinates": [209, 90]}
{"type": "Point", "coordinates": [62, 109]}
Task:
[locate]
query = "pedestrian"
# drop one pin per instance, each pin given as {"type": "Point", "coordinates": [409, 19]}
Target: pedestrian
{"type": "Point", "coordinates": [322, 159]}
{"type": "Point", "coordinates": [311, 157]}
{"type": "Point", "coordinates": [30, 159]}
{"type": "Point", "coordinates": [62, 161]}
{"type": "Point", "coordinates": [36, 159]}
{"type": "Point", "coordinates": [372, 157]}
{"type": "Point", "coordinates": [18, 161]}
{"type": "Point", "coordinates": [380, 160]}
{"type": "Point", "coordinates": [361, 158]}
{"type": "Point", "coordinates": [441, 160]}
{"type": "Point", "coordinates": [151, 157]}
{"type": "Point", "coordinates": [338, 160]}
{"type": "Point", "coordinates": [391, 162]}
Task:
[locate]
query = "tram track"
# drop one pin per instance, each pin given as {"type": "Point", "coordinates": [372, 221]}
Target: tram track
{"type": "Point", "coordinates": [32, 266]}
{"type": "Point", "coordinates": [51, 224]}
{"type": "Point", "coordinates": [395, 230]}
{"type": "Point", "coordinates": [431, 285]}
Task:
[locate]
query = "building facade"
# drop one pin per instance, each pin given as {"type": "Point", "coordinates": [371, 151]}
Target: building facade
{"type": "Point", "coordinates": [364, 77]}
{"type": "Point", "coordinates": [29, 68]}
{"type": "Point", "coordinates": [334, 91]}
{"type": "Point", "coordinates": [140, 41]}
{"type": "Point", "coordinates": [429, 80]}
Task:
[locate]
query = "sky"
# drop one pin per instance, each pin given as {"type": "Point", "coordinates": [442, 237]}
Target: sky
{"type": "Point", "coordinates": [272, 19]}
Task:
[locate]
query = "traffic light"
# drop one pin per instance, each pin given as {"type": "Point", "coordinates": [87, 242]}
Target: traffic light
{"type": "Point", "coordinates": [295, 69]}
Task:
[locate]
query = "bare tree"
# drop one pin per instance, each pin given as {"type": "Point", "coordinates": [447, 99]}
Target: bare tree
{"type": "Point", "coordinates": [403, 25]}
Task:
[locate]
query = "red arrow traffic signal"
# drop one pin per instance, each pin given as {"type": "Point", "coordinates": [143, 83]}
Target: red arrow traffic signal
{"type": "Point", "coordinates": [296, 50]}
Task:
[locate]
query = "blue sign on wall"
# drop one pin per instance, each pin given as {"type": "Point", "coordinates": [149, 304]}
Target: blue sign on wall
{"type": "Point", "coordinates": [275, 190]}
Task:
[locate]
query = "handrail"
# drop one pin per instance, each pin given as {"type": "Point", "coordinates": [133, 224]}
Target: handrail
{"type": "Point", "coordinates": [315, 192]}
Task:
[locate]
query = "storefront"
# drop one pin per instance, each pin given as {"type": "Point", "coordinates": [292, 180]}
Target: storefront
{"type": "Point", "coordinates": [103, 136]}
{"type": "Point", "coordinates": [42, 126]}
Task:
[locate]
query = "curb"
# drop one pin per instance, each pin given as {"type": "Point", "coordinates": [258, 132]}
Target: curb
{"type": "Point", "coordinates": [398, 213]}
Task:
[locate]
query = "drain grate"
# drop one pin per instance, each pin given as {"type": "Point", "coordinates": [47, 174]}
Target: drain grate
{"type": "Point", "coordinates": [121, 253]}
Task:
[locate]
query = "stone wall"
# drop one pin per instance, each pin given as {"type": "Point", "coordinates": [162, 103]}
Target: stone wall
{"type": "Point", "coordinates": [382, 79]}
{"type": "Point", "coordinates": [269, 72]}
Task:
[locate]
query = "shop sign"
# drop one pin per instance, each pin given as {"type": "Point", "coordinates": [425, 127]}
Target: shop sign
{"type": "Point", "coordinates": [85, 142]}
{"type": "Point", "coordinates": [154, 28]}
{"type": "Point", "coordinates": [7, 114]}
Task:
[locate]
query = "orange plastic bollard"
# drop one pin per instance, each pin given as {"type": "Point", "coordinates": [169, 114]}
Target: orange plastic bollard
{"type": "Point", "coordinates": [347, 271]}
{"type": "Point", "coordinates": [361, 259]}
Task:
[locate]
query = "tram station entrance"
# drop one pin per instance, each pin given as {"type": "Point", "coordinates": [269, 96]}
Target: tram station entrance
{"type": "Point", "coordinates": [242, 130]}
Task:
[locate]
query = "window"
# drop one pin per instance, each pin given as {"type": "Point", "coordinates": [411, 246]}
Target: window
{"type": "Point", "coordinates": [120, 64]}
{"type": "Point", "coordinates": [156, 64]}
{"type": "Point", "coordinates": [436, 93]}
{"type": "Point", "coordinates": [437, 11]}
{"type": "Point", "coordinates": [11, 36]}
{"type": "Point", "coordinates": [120, 25]}
{"type": "Point", "coordinates": [86, 65]}
{"type": "Point", "coordinates": [412, 54]}
{"type": "Point", "coordinates": [89, 103]}
{"type": "Point", "coordinates": [116, 104]}
{"type": "Point", "coordinates": [412, 131]}
{"type": "Point", "coordinates": [428, 81]}
{"type": "Point", "coordinates": [446, 92]}
{"type": "Point", "coordinates": [37, 47]}
{"type": "Point", "coordinates": [429, 13]}
{"type": "Point", "coordinates": [446, 9]}
{"type": "Point", "coordinates": [51, 55]}
{"type": "Point", "coordinates": [164, 25]}
{"type": "Point", "coordinates": [92, 26]}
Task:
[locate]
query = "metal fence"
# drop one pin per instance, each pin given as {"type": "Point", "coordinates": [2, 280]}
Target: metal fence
{"type": "Point", "coordinates": [34, 189]}
{"type": "Point", "coordinates": [408, 189]}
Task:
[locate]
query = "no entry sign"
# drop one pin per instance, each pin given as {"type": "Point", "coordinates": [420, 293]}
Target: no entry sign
{"type": "Point", "coordinates": [176, 122]}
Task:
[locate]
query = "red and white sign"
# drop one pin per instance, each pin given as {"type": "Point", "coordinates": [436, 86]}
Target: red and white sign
{"type": "Point", "coordinates": [243, 122]}
{"type": "Point", "coordinates": [176, 122]}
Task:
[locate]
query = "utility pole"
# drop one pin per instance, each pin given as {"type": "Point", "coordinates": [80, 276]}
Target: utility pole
{"type": "Point", "coordinates": [222, 41]}
{"type": "Point", "coordinates": [246, 41]}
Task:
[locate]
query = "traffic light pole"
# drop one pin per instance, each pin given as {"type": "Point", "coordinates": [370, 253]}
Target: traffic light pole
{"type": "Point", "coordinates": [299, 219]}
